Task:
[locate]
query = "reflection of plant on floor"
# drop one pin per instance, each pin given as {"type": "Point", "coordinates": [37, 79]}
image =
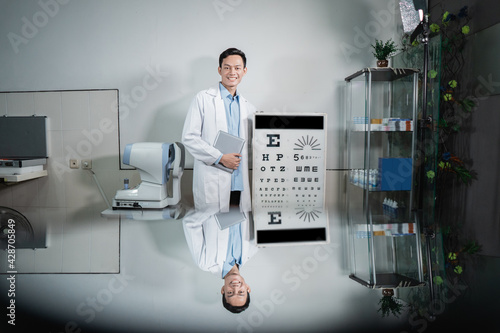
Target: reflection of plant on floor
{"type": "Point", "coordinates": [389, 304]}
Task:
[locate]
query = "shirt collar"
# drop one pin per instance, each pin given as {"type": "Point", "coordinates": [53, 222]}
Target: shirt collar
{"type": "Point", "coordinates": [224, 92]}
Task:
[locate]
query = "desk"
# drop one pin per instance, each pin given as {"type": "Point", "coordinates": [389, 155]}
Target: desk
{"type": "Point", "coordinates": [168, 213]}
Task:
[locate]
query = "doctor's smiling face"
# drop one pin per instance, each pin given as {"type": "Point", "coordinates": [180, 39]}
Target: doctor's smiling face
{"type": "Point", "coordinates": [235, 291]}
{"type": "Point", "coordinates": [232, 69]}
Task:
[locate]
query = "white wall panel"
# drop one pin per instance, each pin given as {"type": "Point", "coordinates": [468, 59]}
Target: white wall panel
{"type": "Point", "coordinates": [159, 54]}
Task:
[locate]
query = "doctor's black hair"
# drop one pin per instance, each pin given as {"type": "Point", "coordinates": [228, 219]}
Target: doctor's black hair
{"type": "Point", "coordinates": [236, 309]}
{"type": "Point", "coordinates": [232, 51]}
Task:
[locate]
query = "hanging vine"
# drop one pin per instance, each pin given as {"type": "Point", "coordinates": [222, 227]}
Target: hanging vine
{"type": "Point", "coordinates": [450, 170]}
{"type": "Point", "coordinates": [455, 106]}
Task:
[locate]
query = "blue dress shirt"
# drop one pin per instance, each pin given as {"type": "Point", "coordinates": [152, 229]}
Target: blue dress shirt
{"type": "Point", "coordinates": [233, 249]}
{"type": "Point", "coordinates": [232, 106]}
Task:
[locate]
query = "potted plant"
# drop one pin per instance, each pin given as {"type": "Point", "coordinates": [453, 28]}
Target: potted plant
{"type": "Point", "coordinates": [382, 51]}
{"type": "Point", "coordinates": [389, 304]}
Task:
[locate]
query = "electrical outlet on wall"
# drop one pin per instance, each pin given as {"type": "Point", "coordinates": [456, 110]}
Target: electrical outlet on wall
{"type": "Point", "coordinates": [73, 164]}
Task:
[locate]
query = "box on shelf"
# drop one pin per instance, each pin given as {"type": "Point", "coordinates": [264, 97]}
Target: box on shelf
{"type": "Point", "coordinates": [361, 124]}
{"type": "Point", "coordinates": [395, 174]}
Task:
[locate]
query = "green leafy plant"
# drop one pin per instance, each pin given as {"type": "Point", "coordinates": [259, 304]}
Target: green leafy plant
{"type": "Point", "coordinates": [383, 50]}
{"type": "Point", "coordinates": [453, 164]}
{"type": "Point", "coordinates": [472, 247]}
{"type": "Point", "coordinates": [452, 167]}
{"type": "Point", "coordinates": [447, 164]}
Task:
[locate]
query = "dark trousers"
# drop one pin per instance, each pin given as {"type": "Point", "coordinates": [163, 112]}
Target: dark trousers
{"type": "Point", "coordinates": [234, 199]}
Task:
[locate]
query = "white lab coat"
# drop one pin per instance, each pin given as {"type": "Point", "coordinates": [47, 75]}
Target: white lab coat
{"type": "Point", "coordinates": [208, 244]}
{"type": "Point", "coordinates": [206, 116]}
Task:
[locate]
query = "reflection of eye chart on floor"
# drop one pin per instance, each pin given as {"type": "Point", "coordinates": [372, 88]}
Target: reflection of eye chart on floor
{"type": "Point", "coordinates": [289, 166]}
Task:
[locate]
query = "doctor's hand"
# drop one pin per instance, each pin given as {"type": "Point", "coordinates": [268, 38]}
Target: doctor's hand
{"type": "Point", "coordinates": [231, 161]}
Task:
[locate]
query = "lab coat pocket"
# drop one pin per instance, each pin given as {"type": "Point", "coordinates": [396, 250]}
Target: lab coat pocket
{"type": "Point", "coordinates": [211, 188]}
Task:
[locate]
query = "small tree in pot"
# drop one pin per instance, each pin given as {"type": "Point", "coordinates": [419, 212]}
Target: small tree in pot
{"type": "Point", "coordinates": [382, 51]}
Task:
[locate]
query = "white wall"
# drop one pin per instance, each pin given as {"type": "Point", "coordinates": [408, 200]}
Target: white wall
{"type": "Point", "coordinates": [160, 53]}
{"type": "Point", "coordinates": [299, 53]}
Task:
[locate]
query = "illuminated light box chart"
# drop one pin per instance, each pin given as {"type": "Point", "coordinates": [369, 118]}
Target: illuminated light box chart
{"type": "Point", "coordinates": [289, 169]}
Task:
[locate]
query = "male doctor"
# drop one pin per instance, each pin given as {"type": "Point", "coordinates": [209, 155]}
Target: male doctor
{"type": "Point", "coordinates": [221, 108]}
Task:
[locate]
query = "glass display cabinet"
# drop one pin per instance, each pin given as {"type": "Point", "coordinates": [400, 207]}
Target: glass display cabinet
{"type": "Point", "coordinates": [384, 238]}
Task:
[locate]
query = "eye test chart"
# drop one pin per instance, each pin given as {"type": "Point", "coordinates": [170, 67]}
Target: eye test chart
{"type": "Point", "coordinates": [289, 172]}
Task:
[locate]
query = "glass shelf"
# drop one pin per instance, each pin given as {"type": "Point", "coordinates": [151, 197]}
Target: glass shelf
{"type": "Point", "coordinates": [425, 297]}
{"type": "Point", "coordinates": [384, 236]}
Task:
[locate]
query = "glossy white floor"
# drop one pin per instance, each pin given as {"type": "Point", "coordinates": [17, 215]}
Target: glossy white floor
{"type": "Point", "coordinates": [160, 289]}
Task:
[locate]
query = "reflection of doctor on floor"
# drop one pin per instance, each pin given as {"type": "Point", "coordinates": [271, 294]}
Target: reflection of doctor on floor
{"type": "Point", "coordinates": [220, 108]}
